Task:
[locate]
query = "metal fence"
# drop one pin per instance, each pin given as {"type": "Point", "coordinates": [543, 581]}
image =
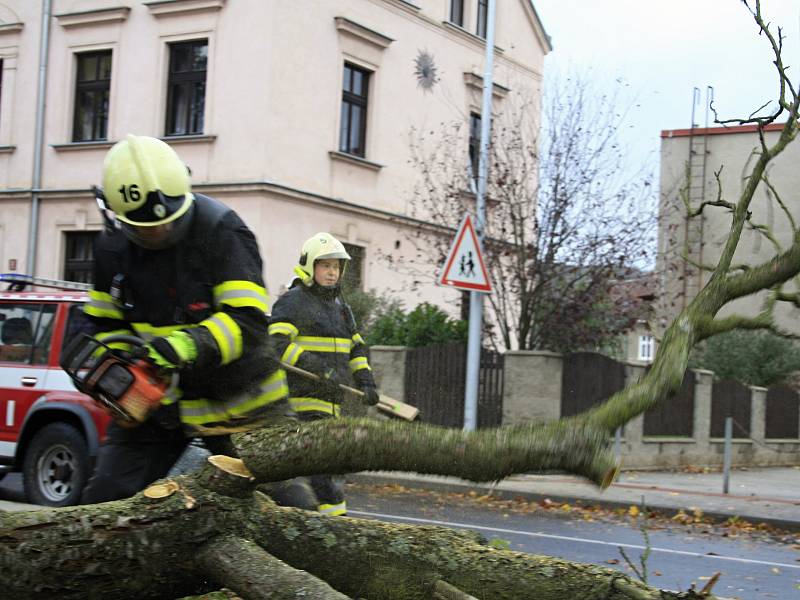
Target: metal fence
{"type": "Point", "coordinates": [435, 381]}
{"type": "Point", "coordinates": [588, 379]}
{"type": "Point", "coordinates": [674, 417]}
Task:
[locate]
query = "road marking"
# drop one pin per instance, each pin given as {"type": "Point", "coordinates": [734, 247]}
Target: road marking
{"type": "Point", "coordinates": [571, 539]}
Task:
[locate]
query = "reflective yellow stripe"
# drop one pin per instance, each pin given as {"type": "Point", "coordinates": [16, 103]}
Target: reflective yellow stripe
{"type": "Point", "coordinates": [241, 293]}
{"type": "Point", "coordinates": [357, 339]}
{"type": "Point", "coordinates": [283, 328]}
{"type": "Point", "coordinates": [147, 332]}
{"type": "Point", "coordinates": [324, 344]}
{"type": "Point", "coordinates": [227, 334]}
{"type": "Point", "coordinates": [102, 305]}
{"type": "Point", "coordinates": [358, 363]}
{"type": "Point", "coordinates": [335, 510]}
{"type": "Point", "coordinates": [292, 354]}
{"type": "Point", "coordinates": [104, 335]}
{"type": "Point", "coordinates": [314, 404]}
{"type": "Point", "coordinates": [201, 411]}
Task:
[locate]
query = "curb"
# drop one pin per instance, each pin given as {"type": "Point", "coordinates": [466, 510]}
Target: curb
{"type": "Point", "coordinates": [462, 487]}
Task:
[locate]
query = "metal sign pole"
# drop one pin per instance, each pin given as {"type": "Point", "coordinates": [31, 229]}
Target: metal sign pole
{"type": "Point", "coordinates": [476, 298]}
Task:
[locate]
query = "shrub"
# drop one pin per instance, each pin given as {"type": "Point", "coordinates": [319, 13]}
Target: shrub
{"type": "Point", "coordinates": [424, 325]}
{"type": "Point", "coordinates": [751, 357]}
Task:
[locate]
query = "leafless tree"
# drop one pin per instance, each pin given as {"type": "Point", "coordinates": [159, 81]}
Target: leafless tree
{"type": "Point", "coordinates": [566, 218]}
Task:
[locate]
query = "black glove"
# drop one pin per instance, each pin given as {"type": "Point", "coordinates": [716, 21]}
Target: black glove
{"type": "Point", "coordinates": [371, 396]}
{"type": "Point", "coordinates": [329, 381]}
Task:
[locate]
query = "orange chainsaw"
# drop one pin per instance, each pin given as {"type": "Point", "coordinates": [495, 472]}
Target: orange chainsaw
{"type": "Point", "coordinates": [124, 383]}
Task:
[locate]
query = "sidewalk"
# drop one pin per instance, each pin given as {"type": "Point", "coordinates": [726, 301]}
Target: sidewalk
{"type": "Point", "coordinates": [758, 495]}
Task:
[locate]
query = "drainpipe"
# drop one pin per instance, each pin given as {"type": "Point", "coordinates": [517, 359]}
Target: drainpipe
{"type": "Point", "coordinates": [36, 185]}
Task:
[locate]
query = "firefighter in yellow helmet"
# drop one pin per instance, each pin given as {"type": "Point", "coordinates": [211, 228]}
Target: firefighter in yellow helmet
{"type": "Point", "coordinates": [183, 272]}
{"type": "Point", "coordinates": [313, 328]}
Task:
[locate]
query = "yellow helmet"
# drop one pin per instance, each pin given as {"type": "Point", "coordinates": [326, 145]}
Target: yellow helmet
{"type": "Point", "coordinates": [145, 182]}
{"type": "Point", "coordinates": [320, 246]}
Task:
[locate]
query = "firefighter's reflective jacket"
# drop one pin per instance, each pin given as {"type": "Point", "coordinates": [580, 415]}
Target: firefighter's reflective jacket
{"type": "Point", "coordinates": [312, 328]}
{"type": "Point", "coordinates": [208, 284]}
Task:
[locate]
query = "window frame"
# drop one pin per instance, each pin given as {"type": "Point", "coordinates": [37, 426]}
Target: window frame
{"type": "Point", "coordinates": [189, 79]}
{"type": "Point", "coordinates": [482, 16]}
{"type": "Point", "coordinates": [474, 144]}
{"type": "Point", "coordinates": [645, 347]}
{"type": "Point", "coordinates": [358, 255]}
{"type": "Point", "coordinates": [457, 6]}
{"type": "Point", "coordinates": [349, 100]}
{"type": "Point", "coordinates": [95, 86]}
{"type": "Point", "coordinates": [84, 265]}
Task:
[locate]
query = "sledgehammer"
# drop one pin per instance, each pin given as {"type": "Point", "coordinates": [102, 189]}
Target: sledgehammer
{"type": "Point", "coordinates": [386, 404]}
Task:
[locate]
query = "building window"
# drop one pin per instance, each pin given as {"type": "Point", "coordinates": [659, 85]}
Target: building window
{"type": "Point", "coordinates": [353, 128]}
{"type": "Point", "coordinates": [186, 88]}
{"type": "Point", "coordinates": [646, 347]}
{"type": "Point", "coordinates": [457, 12]}
{"type": "Point", "coordinates": [483, 10]}
{"type": "Point", "coordinates": [1, 85]}
{"type": "Point", "coordinates": [474, 143]}
{"type": "Point", "coordinates": [353, 275]}
{"type": "Point", "coordinates": [91, 97]}
{"type": "Point", "coordinates": [79, 258]}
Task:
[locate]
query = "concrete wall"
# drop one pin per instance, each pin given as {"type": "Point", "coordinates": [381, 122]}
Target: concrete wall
{"type": "Point", "coordinates": [532, 392]}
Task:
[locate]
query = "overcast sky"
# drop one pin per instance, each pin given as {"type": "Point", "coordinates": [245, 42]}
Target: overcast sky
{"type": "Point", "coordinates": [665, 48]}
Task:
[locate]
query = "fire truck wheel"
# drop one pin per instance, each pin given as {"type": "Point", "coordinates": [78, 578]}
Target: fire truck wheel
{"type": "Point", "coordinates": [56, 466]}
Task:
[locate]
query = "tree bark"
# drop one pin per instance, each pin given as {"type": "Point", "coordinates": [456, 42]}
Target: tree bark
{"type": "Point", "coordinates": [352, 445]}
{"type": "Point", "coordinates": [161, 548]}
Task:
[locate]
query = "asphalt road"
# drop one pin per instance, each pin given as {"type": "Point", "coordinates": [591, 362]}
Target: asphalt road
{"type": "Point", "coordinates": [751, 570]}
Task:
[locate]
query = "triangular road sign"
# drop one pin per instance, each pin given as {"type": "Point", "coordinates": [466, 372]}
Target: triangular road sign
{"type": "Point", "coordinates": [464, 268]}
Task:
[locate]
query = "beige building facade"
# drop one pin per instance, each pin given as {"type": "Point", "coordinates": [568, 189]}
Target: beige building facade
{"type": "Point", "coordinates": [296, 113]}
{"type": "Point", "coordinates": [701, 153]}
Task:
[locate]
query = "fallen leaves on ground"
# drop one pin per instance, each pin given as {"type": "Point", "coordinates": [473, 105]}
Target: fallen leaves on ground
{"type": "Point", "coordinates": [690, 521]}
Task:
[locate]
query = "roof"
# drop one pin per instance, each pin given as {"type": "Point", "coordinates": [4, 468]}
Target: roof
{"type": "Point", "coordinates": [50, 296]}
{"type": "Point", "coordinates": [671, 133]}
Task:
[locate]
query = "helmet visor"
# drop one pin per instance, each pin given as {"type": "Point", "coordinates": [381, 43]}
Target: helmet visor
{"type": "Point", "coordinates": [158, 237]}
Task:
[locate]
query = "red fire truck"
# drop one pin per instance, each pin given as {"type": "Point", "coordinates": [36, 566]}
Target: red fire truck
{"type": "Point", "coordinates": [48, 431]}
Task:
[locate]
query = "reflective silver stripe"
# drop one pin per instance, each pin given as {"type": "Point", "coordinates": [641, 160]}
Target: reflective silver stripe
{"type": "Point", "coordinates": [333, 509]}
{"type": "Point", "coordinates": [237, 294]}
{"type": "Point", "coordinates": [320, 346]}
{"type": "Point", "coordinates": [309, 404]}
{"type": "Point", "coordinates": [292, 354]}
{"type": "Point", "coordinates": [283, 329]}
{"type": "Point", "coordinates": [229, 352]}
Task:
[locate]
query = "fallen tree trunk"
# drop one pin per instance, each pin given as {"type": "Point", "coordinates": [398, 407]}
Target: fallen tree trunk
{"type": "Point", "coordinates": [180, 545]}
{"type": "Point", "coordinates": [352, 445]}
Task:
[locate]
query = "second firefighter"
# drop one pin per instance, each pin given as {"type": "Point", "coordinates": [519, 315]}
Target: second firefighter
{"type": "Point", "coordinates": [314, 329]}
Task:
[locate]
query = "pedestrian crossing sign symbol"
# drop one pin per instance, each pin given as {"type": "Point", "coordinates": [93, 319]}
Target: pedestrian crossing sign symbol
{"type": "Point", "coordinates": [464, 268]}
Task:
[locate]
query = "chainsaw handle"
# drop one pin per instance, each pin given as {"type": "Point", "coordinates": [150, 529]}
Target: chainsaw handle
{"type": "Point", "coordinates": [127, 339]}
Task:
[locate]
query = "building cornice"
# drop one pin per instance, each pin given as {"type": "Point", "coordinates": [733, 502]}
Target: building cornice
{"type": "Point", "coordinates": [671, 133]}
{"type": "Point", "coordinates": [363, 33]}
{"type": "Point", "coordinates": [473, 39]}
{"type": "Point", "coordinates": [11, 28]}
{"type": "Point", "coordinates": [164, 8]}
{"type": "Point", "coordinates": [355, 160]}
{"type": "Point", "coordinates": [240, 187]}
{"type": "Point", "coordinates": [408, 7]}
{"type": "Point", "coordinates": [100, 16]}
{"type": "Point", "coordinates": [475, 81]}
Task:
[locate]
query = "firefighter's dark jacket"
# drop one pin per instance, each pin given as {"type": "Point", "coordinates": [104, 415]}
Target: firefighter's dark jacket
{"type": "Point", "coordinates": [313, 328]}
{"type": "Point", "coordinates": [208, 284]}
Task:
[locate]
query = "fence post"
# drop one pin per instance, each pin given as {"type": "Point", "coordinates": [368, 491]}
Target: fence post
{"type": "Point", "coordinates": [726, 459]}
{"type": "Point", "coordinates": [531, 386]}
{"type": "Point", "coordinates": [701, 430]}
{"type": "Point", "coordinates": [758, 419]}
{"type": "Point", "coordinates": [389, 369]}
